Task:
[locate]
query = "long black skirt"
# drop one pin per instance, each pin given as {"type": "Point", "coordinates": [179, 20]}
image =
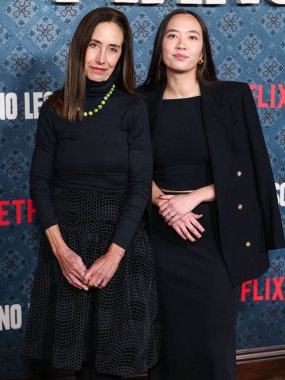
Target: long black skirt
{"type": "Point", "coordinates": [198, 303]}
{"type": "Point", "coordinates": [115, 328]}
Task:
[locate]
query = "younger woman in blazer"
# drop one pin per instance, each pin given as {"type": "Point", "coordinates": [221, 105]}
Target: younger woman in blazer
{"type": "Point", "coordinates": [215, 213]}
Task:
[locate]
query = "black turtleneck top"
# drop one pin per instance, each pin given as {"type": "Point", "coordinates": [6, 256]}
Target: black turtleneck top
{"type": "Point", "coordinates": [107, 152]}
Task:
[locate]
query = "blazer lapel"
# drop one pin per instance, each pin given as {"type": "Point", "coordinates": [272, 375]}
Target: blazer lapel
{"type": "Point", "coordinates": [218, 121]}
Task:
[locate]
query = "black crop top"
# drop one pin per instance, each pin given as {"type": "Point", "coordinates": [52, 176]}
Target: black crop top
{"type": "Point", "coordinates": [181, 157]}
{"type": "Point", "coordinates": [110, 151]}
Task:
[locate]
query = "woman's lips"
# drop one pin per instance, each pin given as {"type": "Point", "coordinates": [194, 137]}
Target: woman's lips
{"type": "Point", "coordinates": [97, 69]}
{"type": "Point", "coordinates": [180, 56]}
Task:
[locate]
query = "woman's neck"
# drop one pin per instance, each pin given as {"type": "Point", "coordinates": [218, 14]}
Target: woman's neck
{"type": "Point", "coordinates": [181, 86]}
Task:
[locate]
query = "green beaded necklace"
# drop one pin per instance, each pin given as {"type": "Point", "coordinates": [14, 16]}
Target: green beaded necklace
{"type": "Point", "coordinates": [101, 105]}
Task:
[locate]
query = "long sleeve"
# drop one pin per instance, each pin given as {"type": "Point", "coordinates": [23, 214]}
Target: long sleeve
{"type": "Point", "coordinates": [42, 168]}
{"type": "Point", "coordinates": [80, 157]}
{"type": "Point", "coordinates": [264, 176]}
{"type": "Point", "coordinates": [139, 174]}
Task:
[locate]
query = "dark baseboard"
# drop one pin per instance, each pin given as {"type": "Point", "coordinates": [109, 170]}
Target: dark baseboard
{"type": "Point", "coordinates": [254, 364]}
{"type": "Point", "coordinates": [261, 364]}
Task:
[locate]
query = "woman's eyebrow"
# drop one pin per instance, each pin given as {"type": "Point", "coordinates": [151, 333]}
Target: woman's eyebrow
{"type": "Point", "coordinates": [99, 42]}
{"type": "Point", "coordinates": [114, 45]}
{"type": "Point", "coordinates": [188, 31]}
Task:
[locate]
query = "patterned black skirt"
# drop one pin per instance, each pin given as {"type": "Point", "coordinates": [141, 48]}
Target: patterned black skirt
{"type": "Point", "coordinates": [114, 328]}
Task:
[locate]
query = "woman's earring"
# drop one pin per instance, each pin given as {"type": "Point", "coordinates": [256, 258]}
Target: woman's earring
{"type": "Point", "coordinates": [201, 60]}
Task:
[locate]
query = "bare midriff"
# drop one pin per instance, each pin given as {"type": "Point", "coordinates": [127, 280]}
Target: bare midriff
{"type": "Point", "coordinates": [176, 191]}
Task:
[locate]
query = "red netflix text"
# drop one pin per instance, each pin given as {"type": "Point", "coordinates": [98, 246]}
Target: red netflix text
{"type": "Point", "coordinates": [275, 99]}
{"type": "Point", "coordinates": [269, 289]}
{"type": "Point", "coordinates": [21, 210]}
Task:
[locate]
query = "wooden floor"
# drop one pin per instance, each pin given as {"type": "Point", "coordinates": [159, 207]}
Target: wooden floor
{"type": "Point", "coordinates": [71, 377]}
{"type": "Point", "coordinates": [262, 364]}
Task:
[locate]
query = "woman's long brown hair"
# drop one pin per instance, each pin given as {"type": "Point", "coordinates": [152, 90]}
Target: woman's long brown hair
{"type": "Point", "coordinates": [69, 101]}
{"type": "Point", "coordinates": [206, 72]}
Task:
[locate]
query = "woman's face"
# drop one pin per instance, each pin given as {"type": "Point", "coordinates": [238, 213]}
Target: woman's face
{"type": "Point", "coordinates": [104, 51]}
{"type": "Point", "coordinates": [182, 44]}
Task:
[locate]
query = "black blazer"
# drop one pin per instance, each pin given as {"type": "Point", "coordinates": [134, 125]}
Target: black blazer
{"type": "Point", "coordinates": [248, 213]}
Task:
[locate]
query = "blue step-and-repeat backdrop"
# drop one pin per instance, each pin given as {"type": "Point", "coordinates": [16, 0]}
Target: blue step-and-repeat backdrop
{"type": "Point", "coordinates": [248, 43]}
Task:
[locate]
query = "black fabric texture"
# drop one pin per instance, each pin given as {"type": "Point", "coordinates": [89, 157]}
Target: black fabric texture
{"type": "Point", "coordinates": [197, 300]}
{"type": "Point", "coordinates": [115, 328]}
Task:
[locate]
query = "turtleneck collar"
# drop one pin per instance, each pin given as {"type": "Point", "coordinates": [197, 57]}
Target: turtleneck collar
{"type": "Point", "coordinates": [95, 88]}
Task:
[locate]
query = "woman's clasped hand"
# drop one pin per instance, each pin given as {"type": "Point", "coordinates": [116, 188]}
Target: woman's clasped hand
{"type": "Point", "coordinates": [97, 276]}
{"type": "Point", "coordinates": [177, 211]}
{"type": "Point", "coordinates": [104, 268]}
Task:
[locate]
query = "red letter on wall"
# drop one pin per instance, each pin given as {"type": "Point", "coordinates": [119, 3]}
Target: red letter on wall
{"type": "Point", "coordinates": [245, 290]}
{"type": "Point", "coordinates": [4, 213]}
{"type": "Point", "coordinates": [18, 203]}
{"type": "Point", "coordinates": [31, 211]}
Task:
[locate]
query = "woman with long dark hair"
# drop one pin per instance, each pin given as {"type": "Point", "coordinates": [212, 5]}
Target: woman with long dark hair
{"type": "Point", "coordinates": [215, 212]}
{"type": "Point", "coordinates": [94, 305]}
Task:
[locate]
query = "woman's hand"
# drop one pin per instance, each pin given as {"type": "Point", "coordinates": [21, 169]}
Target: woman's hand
{"type": "Point", "coordinates": [156, 193]}
{"type": "Point", "coordinates": [188, 227]}
{"type": "Point", "coordinates": [72, 268]}
{"type": "Point", "coordinates": [179, 205]}
{"type": "Point", "coordinates": [71, 264]}
{"type": "Point", "coordinates": [104, 268]}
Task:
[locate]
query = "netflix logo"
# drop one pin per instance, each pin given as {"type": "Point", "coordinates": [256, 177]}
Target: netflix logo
{"type": "Point", "coordinates": [271, 290]}
{"type": "Point", "coordinates": [274, 99]}
{"type": "Point", "coordinates": [22, 209]}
